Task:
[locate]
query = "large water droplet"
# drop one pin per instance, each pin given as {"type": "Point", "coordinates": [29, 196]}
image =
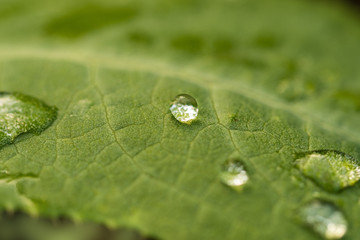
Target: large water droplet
{"type": "Point", "coordinates": [184, 108]}
{"type": "Point", "coordinates": [234, 175]}
{"type": "Point", "coordinates": [325, 219]}
{"type": "Point", "coordinates": [20, 114]}
{"type": "Point", "coordinates": [332, 170]}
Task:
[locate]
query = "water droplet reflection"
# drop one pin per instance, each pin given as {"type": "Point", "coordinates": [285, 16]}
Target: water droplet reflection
{"type": "Point", "coordinates": [324, 219]}
{"type": "Point", "coordinates": [184, 108]}
{"type": "Point", "coordinates": [20, 114]}
{"type": "Point", "coordinates": [234, 175]}
{"type": "Point", "coordinates": [332, 170]}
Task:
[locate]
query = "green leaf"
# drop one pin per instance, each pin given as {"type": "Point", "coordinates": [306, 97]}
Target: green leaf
{"type": "Point", "coordinates": [20, 114]}
{"type": "Point", "coordinates": [272, 79]}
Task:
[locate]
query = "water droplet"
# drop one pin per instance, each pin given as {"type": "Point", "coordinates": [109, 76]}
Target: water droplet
{"type": "Point", "coordinates": [325, 219]}
{"type": "Point", "coordinates": [20, 114]}
{"type": "Point", "coordinates": [234, 175]}
{"type": "Point", "coordinates": [332, 170]}
{"type": "Point", "coordinates": [184, 108]}
{"type": "Point", "coordinates": [81, 107]}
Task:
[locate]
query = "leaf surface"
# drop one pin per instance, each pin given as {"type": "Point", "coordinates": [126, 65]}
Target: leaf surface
{"type": "Point", "coordinates": [271, 78]}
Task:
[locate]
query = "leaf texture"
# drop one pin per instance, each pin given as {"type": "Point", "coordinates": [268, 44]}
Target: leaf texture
{"type": "Point", "coordinates": [272, 78]}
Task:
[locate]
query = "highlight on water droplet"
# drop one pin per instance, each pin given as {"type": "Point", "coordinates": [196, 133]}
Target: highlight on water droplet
{"type": "Point", "coordinates": [184, 108]}
{"type": "Point", "coordinates": [324, 218]}
{"type": "Point", "coordinates": [234, 175]}
{"type": "Point", "coordinates": [20, 114]}
{"type": "Point", "coordinates": [331, 170]}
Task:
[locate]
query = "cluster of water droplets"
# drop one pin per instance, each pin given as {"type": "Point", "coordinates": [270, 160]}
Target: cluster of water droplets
{"type": "Point", "coordinates": [331, 170]}
{"type": "Point", "coordinates": [184, 108]}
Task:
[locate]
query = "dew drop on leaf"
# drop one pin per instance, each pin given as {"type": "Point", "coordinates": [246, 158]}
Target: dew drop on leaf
{"type": "Point", "coordinates": [331, 170]}
{"type": "Point", "coordinates": [20, 114]}
{"type": "Point", "coordinates": [184, 108]}
{"type": "Point", "coordinates": [234, 175]}
{"type": "Point", "coordinates": [81, 107]}
{"type": "Point", "coordinates": [324, 218]}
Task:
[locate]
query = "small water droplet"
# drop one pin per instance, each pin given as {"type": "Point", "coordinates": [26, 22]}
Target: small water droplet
{"type": "Point", "coordinates": [20, 114]}
{"type": "Point", "coordinates": [184, 108]}
{"type": "Point", "coordinates": [81, 107]}
{"type": "Point", "coordinates": [332, 170]}
{"type": "Point", "coordinates": [324, 218]}
{"type": "Point", "coordinates": [234, 175]}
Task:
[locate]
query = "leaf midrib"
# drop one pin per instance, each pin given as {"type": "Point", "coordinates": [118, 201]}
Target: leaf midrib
{"type": "Point", "coordinates": [165, 69]}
